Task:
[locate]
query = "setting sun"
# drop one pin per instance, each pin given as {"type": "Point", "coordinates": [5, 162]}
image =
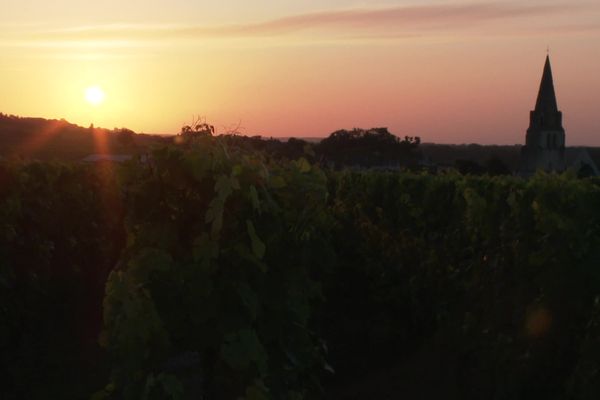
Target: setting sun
{"type": "Point", "coordinates": [94, 95]}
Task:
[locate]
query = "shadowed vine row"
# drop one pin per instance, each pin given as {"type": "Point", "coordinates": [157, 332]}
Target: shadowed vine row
{"type": "Point", "coordinates": [208, 271]}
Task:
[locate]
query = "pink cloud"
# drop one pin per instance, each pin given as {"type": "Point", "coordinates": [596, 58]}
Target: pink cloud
{"type": "Point", "coordinates": [387, 22]}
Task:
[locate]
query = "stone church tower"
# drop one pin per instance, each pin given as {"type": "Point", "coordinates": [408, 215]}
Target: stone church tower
{"type": "Point", "coordinates": [545, 141]}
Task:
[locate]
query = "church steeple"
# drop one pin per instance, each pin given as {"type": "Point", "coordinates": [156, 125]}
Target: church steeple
{"type": "Point", "coordinates": [545, 140]}
{"type": "Point", "coordinates": [546, 114]}
{"type": "Point", "coordinates": [546, 100]}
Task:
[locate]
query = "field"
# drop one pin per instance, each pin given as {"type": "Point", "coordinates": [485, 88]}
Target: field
{"type": "Point", "coordinates": [211, 271]}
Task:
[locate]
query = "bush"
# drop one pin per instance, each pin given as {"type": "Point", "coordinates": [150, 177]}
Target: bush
{"type": "Point", "coordinates": [214, 294]}
{"type": "Point", "coordinates": [241, 277]}
{"type": "Point", "coordinates": [60, 234]}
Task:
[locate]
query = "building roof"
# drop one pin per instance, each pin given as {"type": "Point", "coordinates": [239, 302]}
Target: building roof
{"type": "Point", "coordinates": [546, 100]}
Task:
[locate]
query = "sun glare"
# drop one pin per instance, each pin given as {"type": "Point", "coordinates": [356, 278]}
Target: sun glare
{"type": "Point", "coordinates": [94, 95]}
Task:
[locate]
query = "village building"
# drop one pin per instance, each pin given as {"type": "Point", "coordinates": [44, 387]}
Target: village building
{"type": "Point", "coordinates": [545, 142]}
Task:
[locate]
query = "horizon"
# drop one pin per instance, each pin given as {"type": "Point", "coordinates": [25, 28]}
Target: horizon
{"type": "Point", "coordinates": [450, 72]}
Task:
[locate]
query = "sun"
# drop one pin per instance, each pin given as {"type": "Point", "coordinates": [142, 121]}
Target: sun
{"type": "Point", "coordinates": [95, 95]}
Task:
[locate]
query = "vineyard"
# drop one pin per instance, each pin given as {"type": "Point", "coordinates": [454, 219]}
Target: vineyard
{"type": "Point", "coordinates": [207, 271]}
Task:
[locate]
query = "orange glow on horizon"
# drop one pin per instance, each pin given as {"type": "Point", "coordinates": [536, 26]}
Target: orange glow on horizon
{"type": "Point", "coordinates": [450, 72]}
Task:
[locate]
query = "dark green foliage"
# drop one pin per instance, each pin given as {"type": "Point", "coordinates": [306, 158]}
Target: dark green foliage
{"type": "Point", "coordinates": [125, 137]}
{"type": "Point", "coordinates": [585, 171]}
{"type": "Point", "coordinates": [496, 277]}
{"type": "Point", "coordinates": [369, 148]}
{"type": "Point", "coordinates": [495, 166]}
{"type": "Point", "coordinates": [468, 167]}
{"type": "Point", "coordinates": [60, 234]}
{"type": "Point", "coordinates": [217, 270]}
{"type": "Point", "coordinates": [242, 275]}
{"type": "Point", "coordinates": [448, 154]}
{"type": "Point", "coordinates": [292, 149]}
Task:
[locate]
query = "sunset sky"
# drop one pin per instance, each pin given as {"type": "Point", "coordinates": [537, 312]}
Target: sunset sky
{"type": "Point", "coordinates": [448, 71]}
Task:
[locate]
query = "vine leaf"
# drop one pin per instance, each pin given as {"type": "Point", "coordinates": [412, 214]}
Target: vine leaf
{"type": "Point", "coordinates": [257, 392]}
{"type": "Point", "coordinates": [224, 187]}
{"type": "Point", "coordinates": [198, 165]}
{"type": "Point", "coordinates": [303, 165]}
{"type": "Point", "coordinates": [254, 198]}
{"type": "Point", "coordinates": [242, 349]}
{"type": "Point", "coordinates": [249, 299]}
{"type": "Point", "coordinates": [278, 182]}
{"type": "Point", "coordinates": [205, 251]}
{"type": "Point", "coordinates": [258, 247]}
{"type": "Point", "coordinates": [214, 215]}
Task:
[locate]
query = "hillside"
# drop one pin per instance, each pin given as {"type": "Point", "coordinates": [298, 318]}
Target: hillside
{"type": "Point", "coordinates": [43, 139]}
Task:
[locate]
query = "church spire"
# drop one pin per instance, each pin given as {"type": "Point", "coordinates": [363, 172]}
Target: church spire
{"type": "Point", "coordinates": [545, 140]}
{"type": "Point", "coordinates": [546, 100]}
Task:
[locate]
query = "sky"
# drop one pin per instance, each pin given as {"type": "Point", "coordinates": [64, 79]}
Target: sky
{"type": "Point", "coordinates": [450, 71]}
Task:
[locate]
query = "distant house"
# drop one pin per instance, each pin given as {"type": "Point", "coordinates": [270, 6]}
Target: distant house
{"type": "Point", "coordinates": [118, 158]}
{"type": "Point", "coordinates": [545, 141]}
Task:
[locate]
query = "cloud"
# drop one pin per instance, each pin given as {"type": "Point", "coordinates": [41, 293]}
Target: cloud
{"type": "Point", "coordinates": [441, 16]}
{"type": "Point", "coordinates": [368, 23]}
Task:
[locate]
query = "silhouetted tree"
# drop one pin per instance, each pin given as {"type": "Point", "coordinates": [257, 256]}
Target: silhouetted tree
{"type": "Point", "coordinates": [495, 166]}
{"type": "Point", "coordinates": [198, 128]}
{"type": "Point", "coordinates": [368, 148]}
{"type": "Point", "coordinates": [292, 149]}
{"type": "Point", "coordinates": [125, 137]}
{"type": "Point", "coordinates": [468, 167]}
{"type": "Point", "coordinates": [585, 171]}
{"type": "Point", "coordinates": [447, 154]}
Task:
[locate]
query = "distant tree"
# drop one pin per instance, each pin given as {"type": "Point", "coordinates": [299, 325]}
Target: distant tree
{"type": "Point", "coordinates": [585, 171]}
{"type": "Point", "coordinates": [295, 148]}
{"type": "Point", "coordinates": [125, 137]}
{"type": "Point", "coordinates": [368, 148]}
{"type": "Point", "coordinates": [198, 128]}
{"type": "Point", "coordinates": [469, 167]}
{"type": "Point", "coordinates": [495, 166]}
{"type": "Point", "coordinates": [292, 149]}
